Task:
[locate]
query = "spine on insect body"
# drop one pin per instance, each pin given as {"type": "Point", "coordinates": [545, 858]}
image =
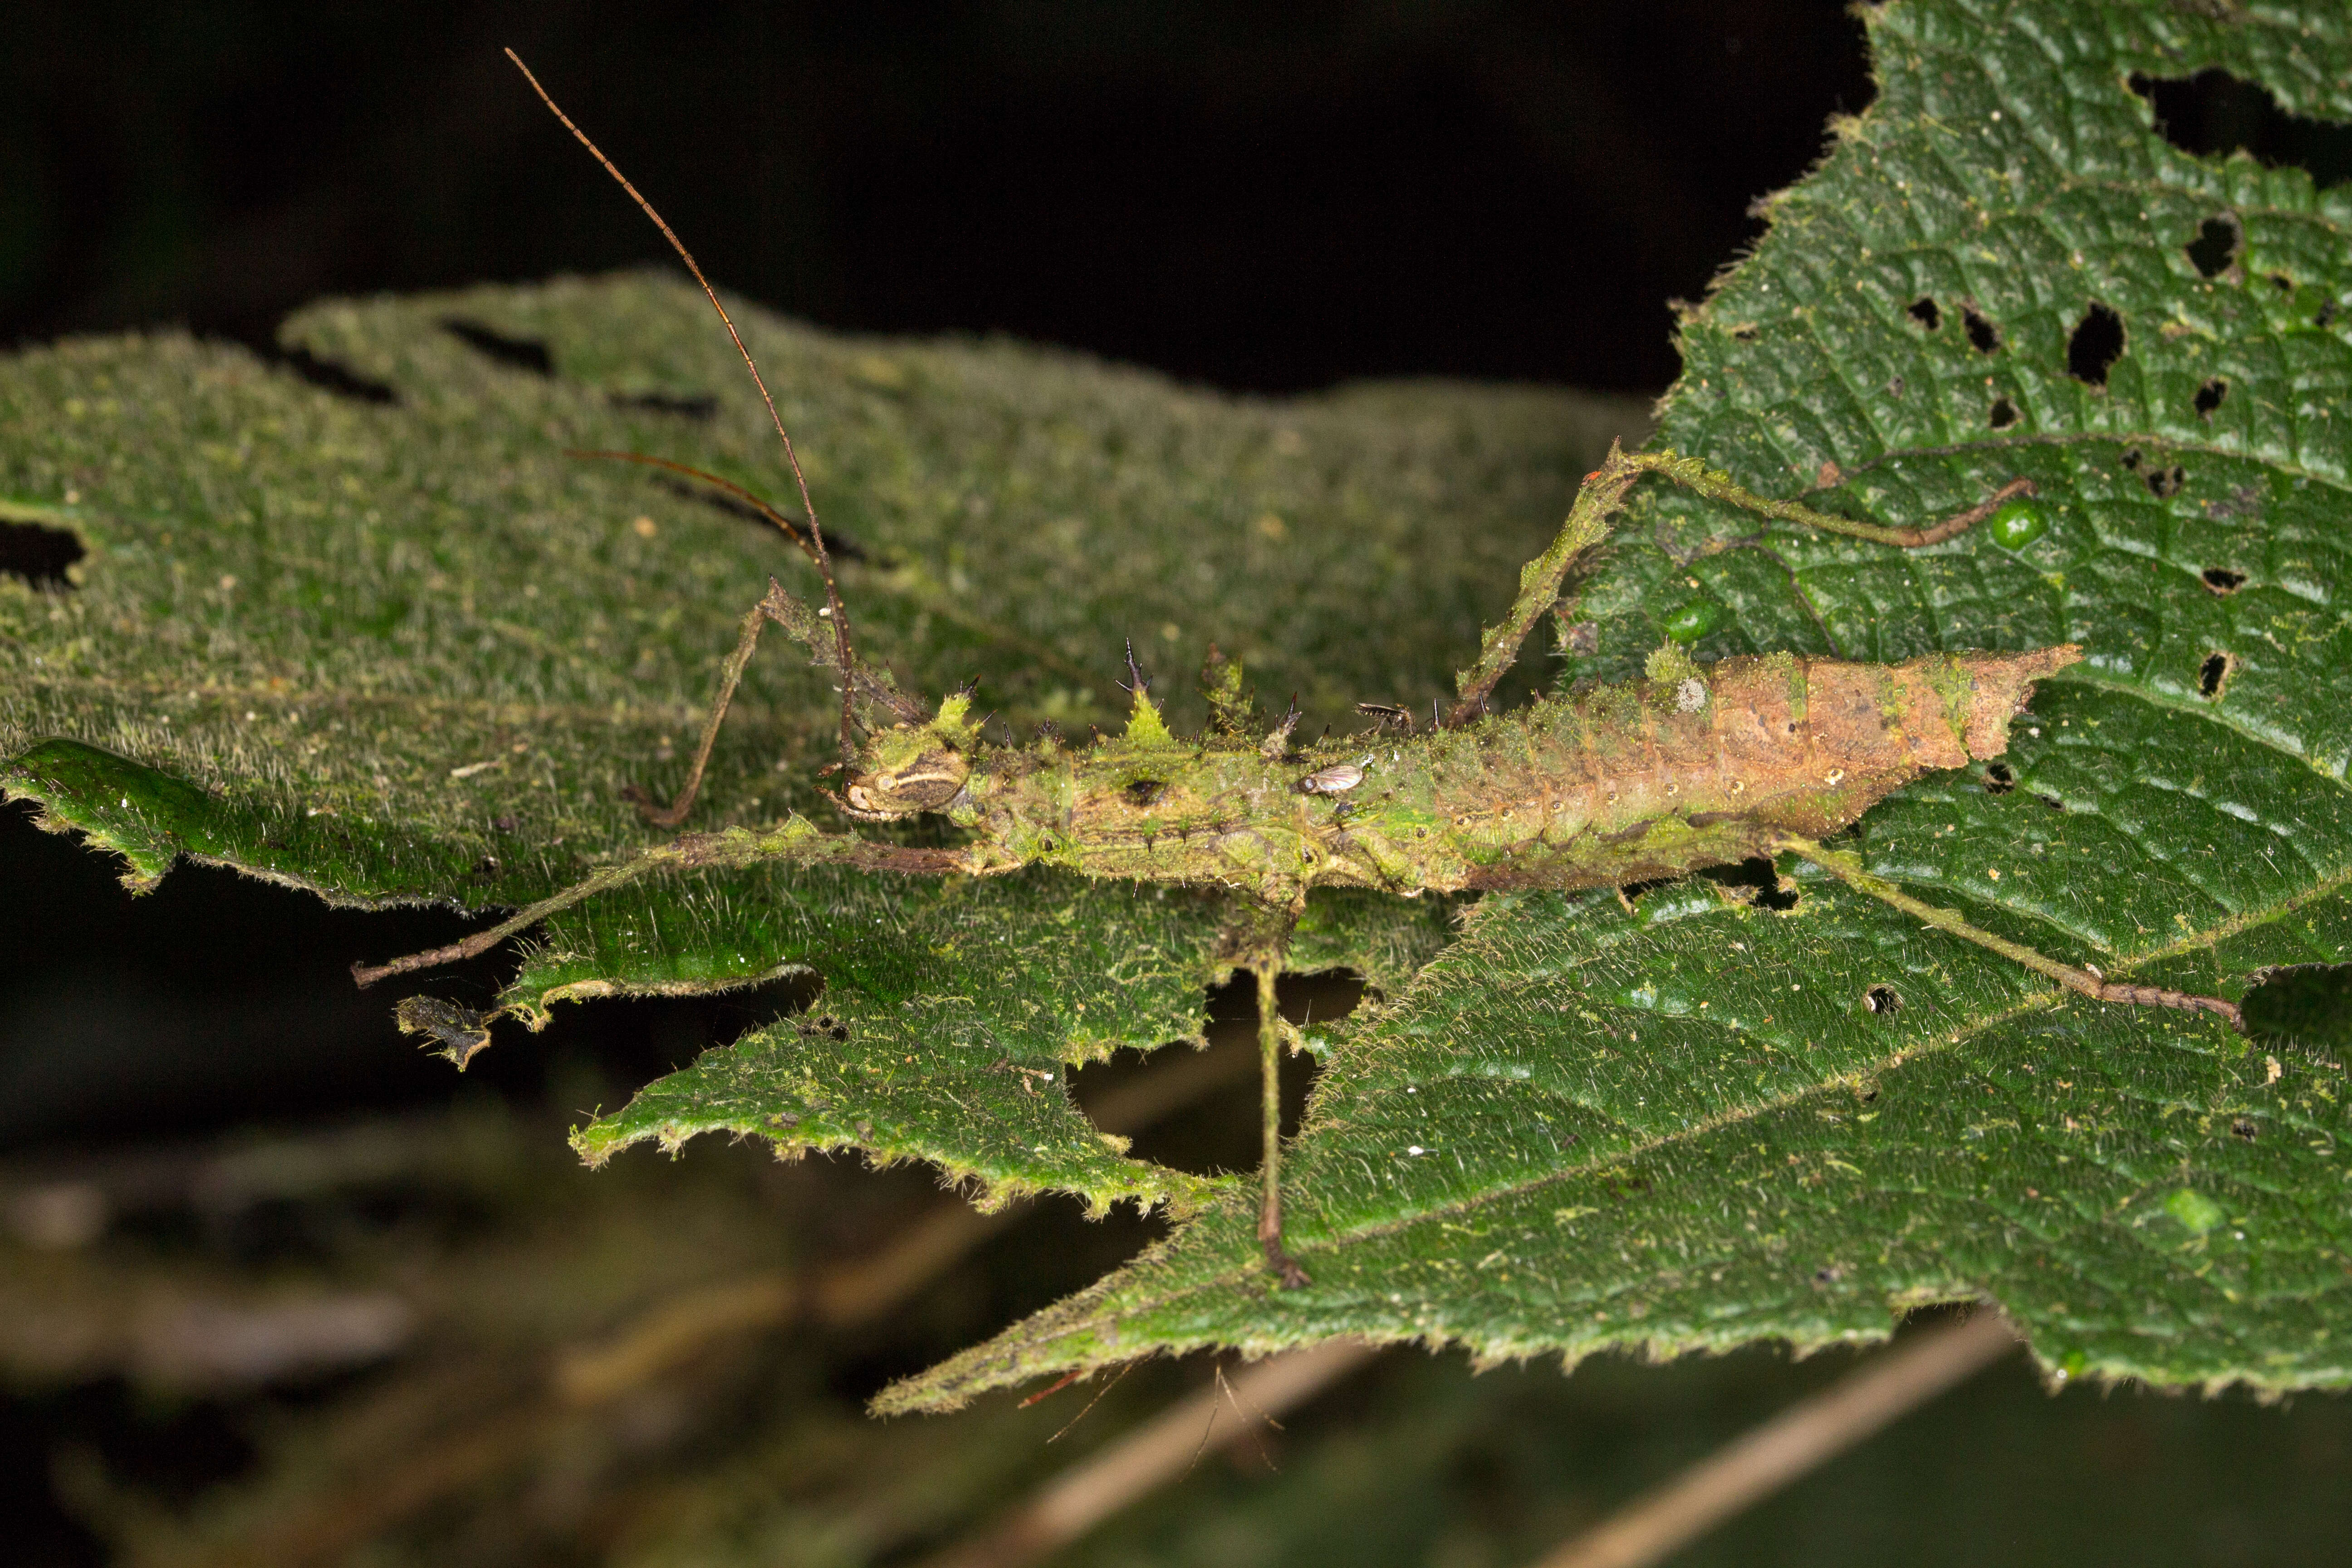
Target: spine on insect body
{"type": "Point", "coordinates": [1694, 765]}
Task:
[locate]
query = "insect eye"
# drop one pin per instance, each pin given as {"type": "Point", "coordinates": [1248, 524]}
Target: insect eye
{"type": "Point", "coordinates": [926, 784]}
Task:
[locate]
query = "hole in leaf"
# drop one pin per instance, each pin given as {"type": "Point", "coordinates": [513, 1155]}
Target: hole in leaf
{"type": "Point", "coordinates": [327, 375]}
{"type": "Point", "coordinates": [822, 1027]}
{"type": "Point", "coordinates": [515, 353]}
{"type": "Point", "coordinates": [2215, 248]}
{"type": "Point", "coordinates": [2096, 344]}
{"type": "Point", "coordinates": [1754, 881]}
{"type": "Point", "coordinates": [2306, 1003]}
{"type": "Point", "coordinates": [1197, 1110]}
{"type": "Point", "coordinates": [2243, 1127]}
{"type": "Point", "coordinates": [2214, 674]}
{"type": "Point", "coordinates": [2221, 580]}
{"type": "Point", "coordinates": [699, 408]}
{"type": "Point", "coordinates": [2209, 396]}
{"type": "Point", "coordinates": [2327, 314]}
{"type": "Point", "coordinates": [1983, 336]}
{"type": "Point", "coordinates": [1144, 792]}
{"type": "Point", "coordinates": [2003, 414]}
{"type": "Point", "coordinates": [2164, 483]}
{"type": "Point", "coordinates": [2282, 282]}
{"type": "Point", "coordinates": [38, 554]}
{"type": "Point", "coordinates": [1998, 779]}
{"type": "Point", "coordinates": [2214, 114]}
{"type": "Point", "coordinates": [1882, 1000]}
{"type": "Point", "coordinates": [2131, 458]}
{"type": "Point", "coordinates": [1744, 335]}
{"type": "Point", "coordinates": [1923, 311]}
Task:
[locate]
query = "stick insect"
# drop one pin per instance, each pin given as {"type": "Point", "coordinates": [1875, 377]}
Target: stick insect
{"type": "Point", "coordinates": [1690, 767]}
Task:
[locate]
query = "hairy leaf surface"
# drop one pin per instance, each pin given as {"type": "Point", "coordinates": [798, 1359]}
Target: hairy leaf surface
{"type": "Point", "coordinates": [1705, 1121]}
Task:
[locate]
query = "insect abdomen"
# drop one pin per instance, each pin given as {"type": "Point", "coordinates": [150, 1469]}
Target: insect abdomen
{"type": "Point", "coordinates": [1657, 777]}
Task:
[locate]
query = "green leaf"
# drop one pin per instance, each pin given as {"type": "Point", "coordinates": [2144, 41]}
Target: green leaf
{"type": "Point", "coordinates": [1706, 1120]}
{"type": "Point", "coordinates": [407, 650]}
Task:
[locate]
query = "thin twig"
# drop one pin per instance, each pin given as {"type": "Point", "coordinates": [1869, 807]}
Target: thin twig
{"type": "Point", "coordinates": [1151, 1456]}
{"type": "Point", "coordinates": [1791, 1444]}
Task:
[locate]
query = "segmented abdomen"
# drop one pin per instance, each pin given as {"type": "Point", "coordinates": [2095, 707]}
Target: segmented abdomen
{"type": "Point", "coordinates": [1657, 777]}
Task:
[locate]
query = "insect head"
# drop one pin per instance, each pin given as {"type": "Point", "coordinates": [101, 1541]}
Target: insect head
{"type": "Point", "coordinates": [911, 768]}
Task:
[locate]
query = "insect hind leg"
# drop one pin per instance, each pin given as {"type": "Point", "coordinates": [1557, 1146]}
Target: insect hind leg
{"type": "Point", "coordinates": [1849, 870]}
{"type": "Point", "coordinates": [1269, 1044]}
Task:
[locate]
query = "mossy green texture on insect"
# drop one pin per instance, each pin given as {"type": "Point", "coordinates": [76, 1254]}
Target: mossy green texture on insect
{"type": "Point", "coordinates": [410, 652]}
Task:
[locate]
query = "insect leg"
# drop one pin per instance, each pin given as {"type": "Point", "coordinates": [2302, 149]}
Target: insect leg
{"type": "Point", "coordinates": [1718, 487]}
{"type": "Point", "coordinates": [1588, 524]}
{"type": "Point", "coordinates": [1849, 870]}
{"type": "Point", "coordinates": [671, 816]}
{"type": "Point", "coordinates": [796, 840]}
{"type": "Point", "coordinates": [1269, 1047]}
{"type": "Point", "coordinates": [1604, 496]}
{"type": "Point", "coordinates": [865, 689]}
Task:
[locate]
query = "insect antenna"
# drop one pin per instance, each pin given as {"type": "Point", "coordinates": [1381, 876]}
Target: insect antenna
{"type": "Point", "coordinates": [840, 615]}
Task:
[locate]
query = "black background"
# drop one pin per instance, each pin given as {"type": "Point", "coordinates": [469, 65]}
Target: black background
{"type": "Point", "coordinates": [1269, 197]}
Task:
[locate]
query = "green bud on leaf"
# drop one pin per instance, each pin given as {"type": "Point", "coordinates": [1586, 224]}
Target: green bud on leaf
{"type": "Point", "coordinates": [1695, 620]}
{"type": "Point", "coordinates": [2018, 524]}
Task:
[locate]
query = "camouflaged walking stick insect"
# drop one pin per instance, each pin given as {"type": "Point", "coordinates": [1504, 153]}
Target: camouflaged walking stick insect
{"type": "Point", "coordinates": [1691, 767]}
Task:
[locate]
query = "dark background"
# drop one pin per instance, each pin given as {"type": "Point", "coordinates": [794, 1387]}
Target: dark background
{"type": "Point", "coordinates": [1269, 197]}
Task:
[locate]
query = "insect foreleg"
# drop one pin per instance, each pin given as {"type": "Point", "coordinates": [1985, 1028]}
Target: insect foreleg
{"type": "Point", "coordinates": [1848, 869]}
{"type": "Point", "coordinates": [866, 689]}
{"type": "Point", "coordinates": [796, 840]}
